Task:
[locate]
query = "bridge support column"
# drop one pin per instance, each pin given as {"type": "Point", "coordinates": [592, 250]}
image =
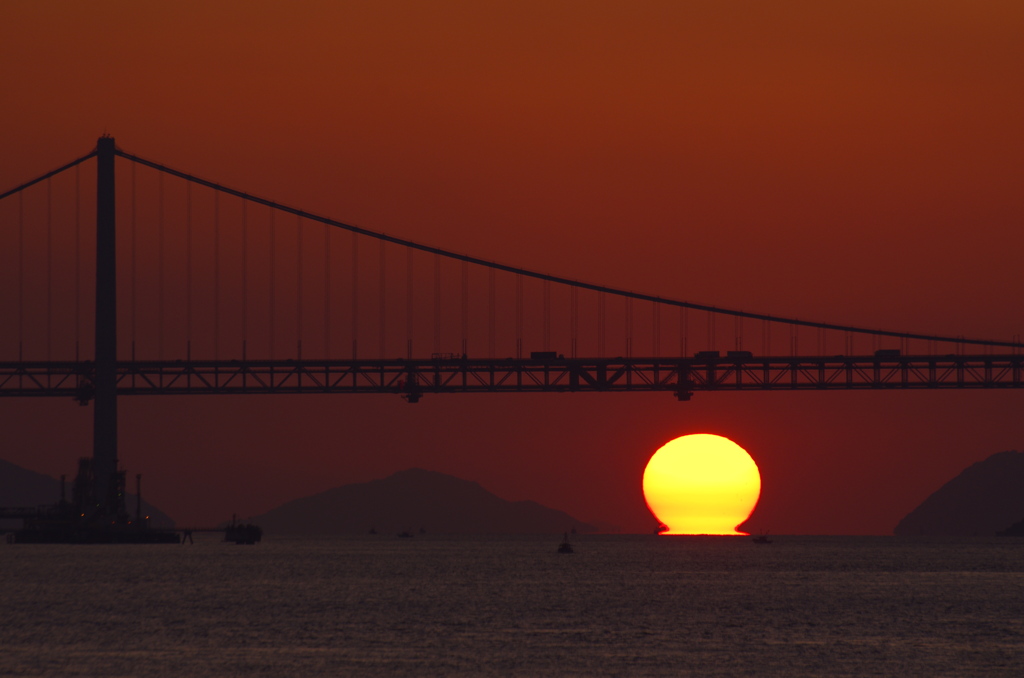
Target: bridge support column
{"type": "Point", "coordinates": [104, 426]}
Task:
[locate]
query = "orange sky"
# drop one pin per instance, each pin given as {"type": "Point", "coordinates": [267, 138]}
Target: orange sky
{"type": "Point", "coordinates": [859, 165]}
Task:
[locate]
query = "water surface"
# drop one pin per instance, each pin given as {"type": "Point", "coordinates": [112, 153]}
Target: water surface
{"type": "Point", "coordinates": [512, 606]}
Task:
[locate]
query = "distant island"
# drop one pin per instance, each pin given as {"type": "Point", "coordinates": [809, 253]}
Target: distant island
{"type": "Point", "coordinates": [983, 500]}
{"type": "Point", "coordinates": [414, 500]}
{"type": "Point", "coordinates": [20, 487]}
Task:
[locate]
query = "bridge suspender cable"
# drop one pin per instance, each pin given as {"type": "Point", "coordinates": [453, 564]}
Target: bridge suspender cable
{"type": "Point", "coordinates": [21, 275]}
{"type": "Point", "coordinates": [216, 275]}
{"type": "Point", "coordinates": [160, 267]}
{"type": "Point", "coordinates": [556, 279]}
{"type": "Point", "coordinates": [298, 284]}
{"type": "Point", "coordinates": [78, 260]}
{"type": "Point", "coordinates": [273, 280]}
{"type": "Point", "coordinates": [134, 267]}
{"type": "Point", "coordinates": [327, 292]}
{"type": "Point", "coordinates": [49, 269]}
{"type": "Point", "coordinates": [245, 277]}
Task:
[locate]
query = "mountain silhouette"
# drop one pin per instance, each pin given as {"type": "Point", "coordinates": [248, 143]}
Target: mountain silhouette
{"type": "Point", "coordinates": [22, 487]}
{"type": "Point", "coordinates": [412, 500]}
{"type": "Point", "coordinates": [984, 499]}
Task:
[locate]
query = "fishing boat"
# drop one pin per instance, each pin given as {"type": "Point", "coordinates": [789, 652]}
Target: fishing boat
{"type": "Point", "coordinates": [565, 546]}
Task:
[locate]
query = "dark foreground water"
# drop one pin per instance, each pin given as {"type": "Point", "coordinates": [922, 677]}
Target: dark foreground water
{"type": "Point", "coordinates": [452, 606]}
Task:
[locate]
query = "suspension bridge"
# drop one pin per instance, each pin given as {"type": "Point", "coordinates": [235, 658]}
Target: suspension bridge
{"type": "Point", "coordinates": [198, 288]}
{"type": "Point", "coordinates": [201, 288]}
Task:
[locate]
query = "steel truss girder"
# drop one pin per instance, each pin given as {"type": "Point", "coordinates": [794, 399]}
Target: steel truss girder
{"type": "Point", "coordinates": [681, 376]}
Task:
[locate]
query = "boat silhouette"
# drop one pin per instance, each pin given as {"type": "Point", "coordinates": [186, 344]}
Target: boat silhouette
{"type": "Point", "coordinates": [565, 546]}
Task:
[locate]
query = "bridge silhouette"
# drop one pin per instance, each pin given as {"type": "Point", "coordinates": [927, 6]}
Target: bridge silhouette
{"type": "Point", "coordinates": [205, 289]}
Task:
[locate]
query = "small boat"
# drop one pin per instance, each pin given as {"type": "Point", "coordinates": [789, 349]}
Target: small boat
{"type": "Point", "coordinates": [239, 533]}
{"type": "Point", "coordinates": [762, 539]}
{"type": "Point", "coordinates": [565, 546]}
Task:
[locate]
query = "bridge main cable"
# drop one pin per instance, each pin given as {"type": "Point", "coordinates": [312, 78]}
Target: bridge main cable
{"type": "Point", "coordinates": [44, 177]}
{"type": "Point", "coordinates": [544, 276]}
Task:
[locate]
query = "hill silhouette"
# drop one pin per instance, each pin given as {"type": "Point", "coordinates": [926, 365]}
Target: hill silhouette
{"type": "Point", "coordinates": [983, 499]}
{"type": "Point", "coordinates": [412, 500]}
{"type": "Point", "coordinates": [22, 487]}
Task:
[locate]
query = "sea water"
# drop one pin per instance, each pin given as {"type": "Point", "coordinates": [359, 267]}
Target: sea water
{"type": "Point", "coordinates": [512, 606]}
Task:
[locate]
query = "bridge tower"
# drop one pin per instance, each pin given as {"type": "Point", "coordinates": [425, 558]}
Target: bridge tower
{"type": "Point", "coordinates": [104, 443]}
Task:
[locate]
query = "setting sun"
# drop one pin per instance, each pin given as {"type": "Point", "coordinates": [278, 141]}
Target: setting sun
{"type": "Point", "coordinates": [701, 484]}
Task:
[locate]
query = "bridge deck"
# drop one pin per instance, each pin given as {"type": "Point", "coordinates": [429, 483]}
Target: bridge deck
{"type": "Point", "coordinates": [682, 376]}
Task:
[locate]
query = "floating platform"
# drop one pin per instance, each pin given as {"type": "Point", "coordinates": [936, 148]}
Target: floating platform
{"type": "Point", "coordinates": [90, 517]}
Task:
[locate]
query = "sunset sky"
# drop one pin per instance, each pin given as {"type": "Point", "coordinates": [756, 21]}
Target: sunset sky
{"type": "Point", "coordinates": [859, 164]}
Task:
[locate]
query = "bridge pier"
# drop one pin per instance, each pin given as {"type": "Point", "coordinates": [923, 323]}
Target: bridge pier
{"type": "Point", "coordinates": [104, 426]}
